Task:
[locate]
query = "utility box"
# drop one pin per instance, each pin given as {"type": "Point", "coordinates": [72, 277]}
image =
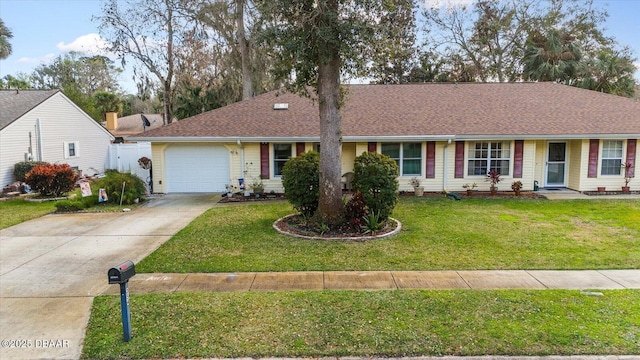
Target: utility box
{"type": "Point", "coordinates": [122, 273]}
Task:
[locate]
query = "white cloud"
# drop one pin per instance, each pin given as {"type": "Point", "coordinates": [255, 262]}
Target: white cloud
{"type": "Point", "coordinates": [90, 44]}
{"type": "Point", "coordinates": [41, 60]}
{"type": "Point", "coordinates": [446, 3]}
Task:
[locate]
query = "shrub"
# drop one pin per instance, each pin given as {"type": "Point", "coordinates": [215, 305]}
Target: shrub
{"type": "Point", "coordinates": [301, 181]}
{"type": "Point", "coordinates": [356, 210]}
{"type": "Point", "coordinates": [375, 176]}
{"type": "Point", "coordinates": [21, 169]}
{"type": "Point", "coordinates": [112, 182]}
{"type": "Point", "coordinates": [52, 179]}
{"type": "Point", "coordinates": [70, 205]}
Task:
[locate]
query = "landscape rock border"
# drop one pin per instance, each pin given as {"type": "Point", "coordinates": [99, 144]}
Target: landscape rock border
{"type": "Point", "coordinates": [282, 230]}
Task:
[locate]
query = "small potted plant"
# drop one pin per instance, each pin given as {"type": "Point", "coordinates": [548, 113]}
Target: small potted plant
{"type": "Point", "coordinates": [494, 177]}
{"type": "Point", "coordinates": [258, 188]}
{"type": "Point", "coordinates": [516, 186]}
{"type": "Point", "coordinates": [628, 174]}
{"type": "Point", "coordinates": [415, 182]}
{"type": "Point", "coordinates": [230, 188]}
{"type": "Point", "coordinates": [470, 188]}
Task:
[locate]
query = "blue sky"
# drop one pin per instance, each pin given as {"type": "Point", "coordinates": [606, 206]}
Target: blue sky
{"type": "Point", "coordinates": [44, 29]}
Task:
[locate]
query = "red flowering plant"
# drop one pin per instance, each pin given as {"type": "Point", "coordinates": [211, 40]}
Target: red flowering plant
{"type": "Point", "coordinates": [52, 179]}
{"type": "Point", "coordinates": [494, 178]}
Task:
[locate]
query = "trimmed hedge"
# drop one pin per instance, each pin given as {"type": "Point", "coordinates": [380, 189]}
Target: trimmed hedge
{"type": "Point", "coordinates": [301, 181]}
{"type": "Point", "coordinates": [375, 176]}
{"type": "Point", "coordinates": [21, 169]}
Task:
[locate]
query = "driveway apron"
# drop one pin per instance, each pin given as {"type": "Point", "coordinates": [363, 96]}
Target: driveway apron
{"type": "Point", "coordinates": [53, 266]}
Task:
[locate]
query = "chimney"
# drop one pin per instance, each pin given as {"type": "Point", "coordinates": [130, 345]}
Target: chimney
{"type": "Point", "coordinates": [112, 121]}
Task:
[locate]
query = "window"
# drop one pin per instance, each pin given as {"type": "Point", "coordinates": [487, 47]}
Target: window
{"type": "Point", "coordinates": [281, 153]}
{"type": "Point", "coordinates": [71, 149]}
{"type": "Point", "coordinates": [611, 157]}
{"type": "Point", "coordinates": [486, 156]}
{"type": "Point", "coordinates": [408, 156]}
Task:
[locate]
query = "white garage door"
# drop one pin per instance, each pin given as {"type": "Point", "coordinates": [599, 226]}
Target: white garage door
{"type": "Point", "coordinates": [196, 168]}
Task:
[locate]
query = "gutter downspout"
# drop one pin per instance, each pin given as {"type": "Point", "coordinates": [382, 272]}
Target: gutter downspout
{"type": "Point", "coordinates": [39, 138]}
{"type": "Point", "coordinates": [444, 167]}
{"type": "Point", "coordinates": [242, 168]}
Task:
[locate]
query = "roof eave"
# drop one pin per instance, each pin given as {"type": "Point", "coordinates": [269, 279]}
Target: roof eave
{"type": "Point", "coordinates": [227, 139]}
{"type": "Point", "coordinates": [547, 137]}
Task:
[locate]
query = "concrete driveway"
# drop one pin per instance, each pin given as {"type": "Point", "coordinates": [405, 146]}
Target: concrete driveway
{"type": "Point", "coordinates": [53, 266]}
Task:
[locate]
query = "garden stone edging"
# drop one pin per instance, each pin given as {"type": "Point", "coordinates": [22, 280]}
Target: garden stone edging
{"type": "Point", "coordinates": [351, 238]}
{"type": "Point", "coordinates": [39, 200]}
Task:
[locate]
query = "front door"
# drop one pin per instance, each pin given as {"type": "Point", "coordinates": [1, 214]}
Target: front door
{"type": "Point", "coordinates": [556, 164]}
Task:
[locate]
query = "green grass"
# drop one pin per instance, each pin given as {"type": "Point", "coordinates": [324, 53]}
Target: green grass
{"type": "Point", "coordinates": [13, 212]}
{"type": "Point", "coordinates": [359, 323]}
{"type": "Point", "coordinates": [437, 234]}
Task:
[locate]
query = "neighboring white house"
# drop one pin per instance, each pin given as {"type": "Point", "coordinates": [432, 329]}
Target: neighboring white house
{"type": "Point", "coordinates": [44, 125]}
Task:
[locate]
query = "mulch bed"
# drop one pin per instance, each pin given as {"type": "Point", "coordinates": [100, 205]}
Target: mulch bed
{"type": "Point", "coordinates": [482, 195]}
{"type": "Point", "coordinates": [241, 198]}
{"type": "Point", "coordinates": [296, 225]}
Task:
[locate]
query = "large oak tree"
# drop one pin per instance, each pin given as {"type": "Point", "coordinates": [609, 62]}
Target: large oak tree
{"type": "Point", "coordinates": [315, 42]}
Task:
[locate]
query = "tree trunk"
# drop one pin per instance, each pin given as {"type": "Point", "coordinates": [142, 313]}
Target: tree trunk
{"type": "Point", "coordinates": [330, 207]}
{"type": "Point", "coordinates": [167, 96]}
{"type": "Point", "coordinates": [166, 99]}
{"type": "Point", "coordinates": [247, 83]}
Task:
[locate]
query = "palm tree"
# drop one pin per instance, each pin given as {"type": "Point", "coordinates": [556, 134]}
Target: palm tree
{"type": "Point", "coordinates": [554, 57]}
{"type": "Point", "coordinates": [5, 46]}
{"type": "Point", "coordinates": [610, 72]}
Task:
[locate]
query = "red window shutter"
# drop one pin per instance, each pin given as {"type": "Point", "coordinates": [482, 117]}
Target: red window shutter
{"type": "Point", "coordinates": [594, 145]}
{"type": "Point", "coordinates": [517, 158]}
{"type": "Point", "coordinates": [459, 172]}
{"type": "Point", "coordinates": [264, 160]}
{"type": "Point", "coordinates": [631, 156]}
{"type": "Point", "coordinates": [431, 159]}
{"type": "Point", "coordinates": [299, 148]}
{"type": "Point", "coordinates": [372, 147]}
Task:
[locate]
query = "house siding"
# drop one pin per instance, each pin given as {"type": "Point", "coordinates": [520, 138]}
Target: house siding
{"type": "Point", "coordinates": [60, 121]}
{"type": "Point", "coordinates": [610, 182]}
{"type": "Point", "coordinates": [540, 161]}
{"type": "Point", "coordinates": [533, 166]}
{"type": "Point", "coordinates": [575, 166]}
{"type": "Point", "coordinates": [157, 156]}
{"type": "Point", "coordinates": [348, 156]}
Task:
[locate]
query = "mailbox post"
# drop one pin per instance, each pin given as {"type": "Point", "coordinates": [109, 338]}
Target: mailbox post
{"type": "Point", "coordinates": [121, 275]}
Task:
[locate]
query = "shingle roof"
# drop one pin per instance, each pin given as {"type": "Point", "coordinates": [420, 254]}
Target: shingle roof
{"type": "Point", "coordinates": [132, 124]}
{"type": "Point", "coordinates": [465, 110]}
{"type": "Point", "coordinates": [14, 104]}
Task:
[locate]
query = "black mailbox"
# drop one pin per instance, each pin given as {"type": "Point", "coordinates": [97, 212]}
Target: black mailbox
{"type": "Point", "coordinates": [122, 273]}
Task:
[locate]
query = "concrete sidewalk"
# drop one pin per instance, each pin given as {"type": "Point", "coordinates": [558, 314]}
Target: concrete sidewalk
{"type": "Point", "coordinates": [383, 280]}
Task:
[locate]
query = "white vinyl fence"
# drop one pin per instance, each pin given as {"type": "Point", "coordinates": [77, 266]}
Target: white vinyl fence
{"type": "Point", "coordinates": [124, 158]}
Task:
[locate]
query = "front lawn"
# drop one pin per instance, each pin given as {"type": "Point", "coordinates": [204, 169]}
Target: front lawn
{"type": "Point", "coordinates": [437, 234]}
{"type": "Point", "coordinates": [367, 323]}
{"type": "Point", "coordinates": [13, 212]}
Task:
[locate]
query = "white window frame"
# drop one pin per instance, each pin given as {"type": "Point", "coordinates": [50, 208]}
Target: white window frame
{"type": "Point", "coordinates": [67, 149]}
{"type": "Point", "coordinates": [609, 154]}
{"type": "Point", "coordinates": [400, 161]}
{"type": "Point", "coordinates": [491, 147]}
{"type": "Point", "coordinates": [275, 161]}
